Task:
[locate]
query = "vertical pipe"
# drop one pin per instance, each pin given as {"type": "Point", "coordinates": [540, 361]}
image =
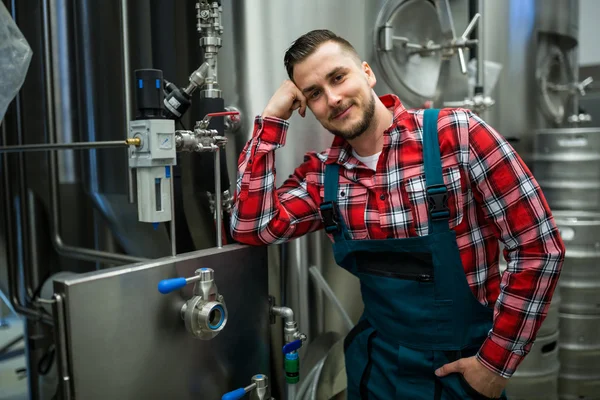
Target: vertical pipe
{"type": "Point", "coordinates": [127, 88]}
{"type": "Point", "coordinates": [303, 303]}
{"type": "Point", "coordinates": [318, 261]}
{"type": "Point", "coordinates": [218, 200]}
{"type": "Point", "coordinates": [173, 238]}
{"type": "Point", "coordinates": [480, 49]}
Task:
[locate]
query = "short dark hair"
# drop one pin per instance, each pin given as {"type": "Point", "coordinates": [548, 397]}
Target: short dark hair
{"type": "Point", "coordinates": [308, 43]}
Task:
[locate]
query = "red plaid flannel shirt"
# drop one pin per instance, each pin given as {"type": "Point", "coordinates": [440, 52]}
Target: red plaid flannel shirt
{"type": "Point", "coordinates": [492, 196]}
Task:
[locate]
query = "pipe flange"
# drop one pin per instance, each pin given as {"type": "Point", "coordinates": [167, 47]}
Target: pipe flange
{"type": "Point", "coordinates": [205, 319]}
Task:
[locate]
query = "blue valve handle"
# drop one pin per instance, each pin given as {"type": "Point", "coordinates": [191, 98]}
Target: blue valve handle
{"type": "Point", "coordinates": [292, 346]}
{"type": "Point", "coordinates": [235, 395]}
{"type": "Point", "coordinates": [168, 285]}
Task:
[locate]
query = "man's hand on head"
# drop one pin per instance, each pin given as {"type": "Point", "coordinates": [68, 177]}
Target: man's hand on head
{"type": "Point", "coordinates": [284, 101]}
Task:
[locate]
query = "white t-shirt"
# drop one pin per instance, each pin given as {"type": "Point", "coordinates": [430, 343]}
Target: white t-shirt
{"type": "Point", "coordinates": [369, 161]}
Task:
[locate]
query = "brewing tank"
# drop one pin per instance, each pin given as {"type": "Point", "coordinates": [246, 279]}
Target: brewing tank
{"type": "Point", "coordinates": [535, 41]}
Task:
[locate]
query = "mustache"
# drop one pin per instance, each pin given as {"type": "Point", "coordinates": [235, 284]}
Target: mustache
{"type": "Point", "coordinates": [338, 110]}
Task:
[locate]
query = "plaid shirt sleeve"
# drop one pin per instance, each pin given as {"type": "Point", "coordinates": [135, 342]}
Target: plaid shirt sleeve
{"type": "Point", "coordinates": [263, 214]}
{"type": "Point", "coordinates": [513, 202]}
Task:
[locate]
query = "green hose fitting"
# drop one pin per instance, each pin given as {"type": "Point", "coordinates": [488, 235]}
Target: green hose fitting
{"type": "Point", "coordinates": [292, 367]}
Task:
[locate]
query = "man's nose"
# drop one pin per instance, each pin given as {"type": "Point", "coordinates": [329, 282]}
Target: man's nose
{"type": "Point", "coordinates": [333, 97]}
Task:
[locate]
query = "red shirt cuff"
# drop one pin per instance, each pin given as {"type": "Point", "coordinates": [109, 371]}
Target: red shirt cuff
{"type": "Point", "coordinates": [498, 359]}
{"type": "Point", "coordinates": [271, 129]}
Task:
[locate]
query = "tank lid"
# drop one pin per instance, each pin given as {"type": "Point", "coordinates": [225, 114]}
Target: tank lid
{"type": "Point", "coordinates": [415, 77]}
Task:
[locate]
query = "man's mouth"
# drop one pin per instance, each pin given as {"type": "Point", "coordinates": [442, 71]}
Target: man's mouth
{"type": "Point", "coordinates": [343, 113]}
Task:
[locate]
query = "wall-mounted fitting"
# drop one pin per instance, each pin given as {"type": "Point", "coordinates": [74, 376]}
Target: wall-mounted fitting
{"type": "Point", "coordinates": [259, 390]}
{"type": "Point", "coordinates": [205, 314]}
{"type": "Point", "coordinates": [202, 139]}
{"type": "Point", "coordinates": [293, 339]}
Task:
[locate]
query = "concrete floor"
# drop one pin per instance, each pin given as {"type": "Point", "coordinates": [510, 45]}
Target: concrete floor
{"type": "Point", "coordinates": [13, 385]}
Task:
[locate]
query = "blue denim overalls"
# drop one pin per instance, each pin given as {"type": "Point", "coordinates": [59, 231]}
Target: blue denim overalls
{"type": "Point", "coordinates": [419, 311]}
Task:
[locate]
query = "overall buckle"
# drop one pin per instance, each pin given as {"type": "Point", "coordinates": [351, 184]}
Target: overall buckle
{"type": "Point", "coordinates": [330, 216]}
{"type": "Point", "coordinates": [437, 199]}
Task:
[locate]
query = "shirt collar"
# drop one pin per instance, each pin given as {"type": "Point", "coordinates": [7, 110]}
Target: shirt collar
{"type": "Point", "coordinates": [341, 151]}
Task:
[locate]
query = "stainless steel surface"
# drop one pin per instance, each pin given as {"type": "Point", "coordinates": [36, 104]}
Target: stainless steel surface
{"type": "Point", "coordinates": [218, 197]}
{"type": "Point", "coordinates": [63, 146]}
{"type": "Point", "coordinates": [62, 346]}
{"type": "Point", "coordinates": [579, 283]}
{"type": "Point", "coordinates": [567, 166]}
{"type": "Point", "coordinates": [128, 84]}
{"type": "Point", "coordinates": [560, 17]}
{"type": "Point", "coordinates": [62, 71]}
{"type": "Point", "coordinates": [147, 352]}
{"type": "Point", "coordinates": [579, 356]}
{"type": "Point", "coordinates": [510, 39]}
{"type": "Point", "coordinates": [415, 78]}
{"type": "Point", "coordinates": [551, 323]}
{"type": "Point", "coordinates": [480, 48]}
{"type": "Point", "coordinates": [536, 377]}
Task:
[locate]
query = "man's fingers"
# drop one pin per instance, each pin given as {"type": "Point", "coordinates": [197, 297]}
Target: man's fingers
{"type": "Point", "coordinates": [453, 367]}
{"type": "Point", "coordinates": [300, 97]}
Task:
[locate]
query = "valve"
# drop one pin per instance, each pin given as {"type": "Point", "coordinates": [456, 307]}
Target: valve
{"type": "Point", "coordinates": [202, 139]}
{"type": "Point", "coordinates": [293, 339]}
{"type": "Point", "coordinates": [478, 103]}
{"type": "Point", "coordinates": [205, 314]}
{"type": "Point", "coordinates": [259, 390]}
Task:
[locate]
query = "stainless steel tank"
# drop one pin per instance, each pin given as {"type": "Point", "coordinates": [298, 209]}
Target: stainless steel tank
{"type": "Point", "coordinates": [535, 42]}
{"type": "Point", "coordinates": [567, 166]}
{"type": "Point", "coordinates": [580, 308]}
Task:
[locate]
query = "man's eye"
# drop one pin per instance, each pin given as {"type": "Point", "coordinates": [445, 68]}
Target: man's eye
{"type": "Point", "coordinates": [339, 78]}
{"type": "Point", "coordinates": [315, 94]}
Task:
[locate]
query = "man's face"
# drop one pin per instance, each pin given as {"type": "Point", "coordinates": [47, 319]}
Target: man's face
{"type": "Point", "coordinates": [338, 90]}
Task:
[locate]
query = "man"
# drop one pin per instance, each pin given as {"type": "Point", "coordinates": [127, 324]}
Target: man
{"type": "Point", "coordinates": [415, 203]}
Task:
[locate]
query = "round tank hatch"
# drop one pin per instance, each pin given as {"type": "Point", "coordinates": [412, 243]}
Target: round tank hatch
{"type": "Point", "coordinates": [555, 78]}
{"type": "Point", "coordinates": [414, 76]}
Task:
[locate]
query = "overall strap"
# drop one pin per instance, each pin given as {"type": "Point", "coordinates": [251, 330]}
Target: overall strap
{"type": "Point", "coordinates": [329, 208]}
{"type": "Point", "coordinates": [437, 193]}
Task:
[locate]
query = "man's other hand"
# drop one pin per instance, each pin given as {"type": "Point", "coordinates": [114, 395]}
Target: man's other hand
{"type": "Point", "coordinates": [477, 376]}
{"type": "Point", "coordinates": [285, 100]}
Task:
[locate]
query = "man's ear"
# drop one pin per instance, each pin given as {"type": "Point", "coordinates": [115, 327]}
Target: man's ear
{"type": "Point", "coordinates": [369, 74]}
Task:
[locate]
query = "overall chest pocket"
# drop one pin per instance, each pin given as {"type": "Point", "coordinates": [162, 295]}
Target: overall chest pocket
{"type": "Point", "coordinates": [352, 202]}
{"type": "Point", "coordinates": [417, 197]}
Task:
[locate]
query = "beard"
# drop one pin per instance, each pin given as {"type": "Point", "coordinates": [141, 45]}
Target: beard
{"type": "Point", "coordinates": [358, 128]}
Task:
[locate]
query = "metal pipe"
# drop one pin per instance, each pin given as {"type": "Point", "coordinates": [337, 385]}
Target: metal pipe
{"type": "Point", "coordinates": [61, 346]}
{"type": "Point", "coordinates": [13, 283]}
{"type": "Point", "coordinates": [302, 264]}
{"type": "Point", "coordinates": [218, 198]}
{"type": "Point", "coordinates": [318, 261]}
{"type": "Point", "coordinates": [480, 56]}
{"type": "Point", "coordinates": [322, 284]}
{"type": "Point", "coordinates": [173, 237]}
{"type": "Point", "coordinates": [127, 86]}
{"type": "Point", "coordinates": [67, 146]}
{"type": "Point", "coordinates": [284, 312]}
{"type": "Point", "coordinates": [62, 248]}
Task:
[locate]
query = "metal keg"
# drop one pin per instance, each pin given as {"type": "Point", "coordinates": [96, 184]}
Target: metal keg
{"type": "Point", "coordinates": [566, 164]}
{"type": "Point", "coordinates": [580, 277]}
{"type": "Point", "coordinates": [579, 353]}
{"type": "Point", "coordinates": [536, 377]}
